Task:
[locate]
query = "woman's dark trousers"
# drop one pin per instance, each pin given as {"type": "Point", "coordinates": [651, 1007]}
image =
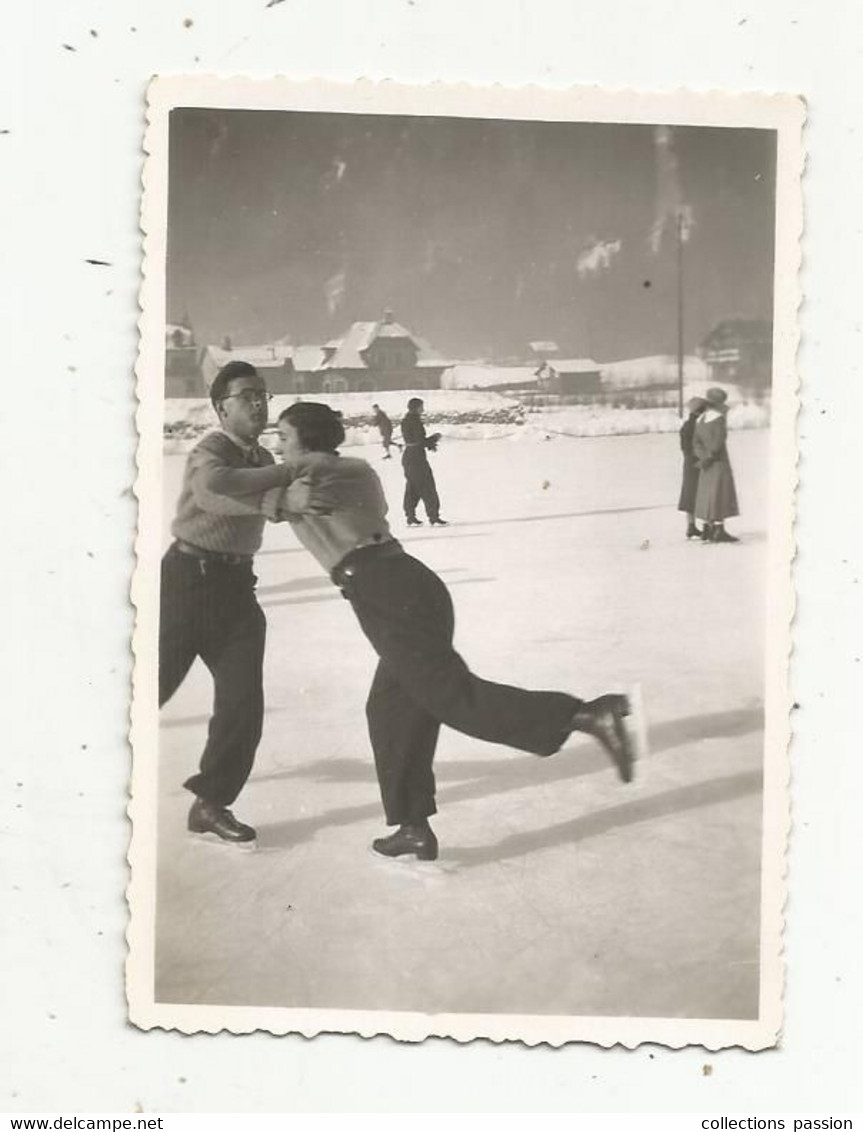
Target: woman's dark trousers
{"type": "Point", "coordinates": [421, 682]}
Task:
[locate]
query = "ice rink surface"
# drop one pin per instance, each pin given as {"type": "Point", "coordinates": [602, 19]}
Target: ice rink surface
{"type": "Point", "coordinates": [558, 889]}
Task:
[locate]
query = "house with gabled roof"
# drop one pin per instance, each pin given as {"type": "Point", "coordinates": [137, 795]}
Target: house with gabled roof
{"type": "Point", "coordinates": [379, 355]}
{"type": "Point", "coordinates": [740, 351]}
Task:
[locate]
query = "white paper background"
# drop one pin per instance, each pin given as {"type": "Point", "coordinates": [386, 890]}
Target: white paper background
{"type": "Point", "coordinates": [69, 170]}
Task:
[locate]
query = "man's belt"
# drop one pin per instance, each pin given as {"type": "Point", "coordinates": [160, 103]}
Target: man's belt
{"type": "Point", "coordinates": [203, 555]}
{"type": "Point", "coordinates": [355, 559]}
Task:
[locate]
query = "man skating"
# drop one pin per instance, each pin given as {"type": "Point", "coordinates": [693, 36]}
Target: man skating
{"type": "Point", "coordinates": [208, 603]}
{"type": "Point", "coordinates": [385, 427]}
{"type": "Point", "coordinates": [419, 478]}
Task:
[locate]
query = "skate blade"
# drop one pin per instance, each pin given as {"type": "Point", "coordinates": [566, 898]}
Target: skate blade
{"type": "Point", "coordinates": [406, 864]}
{"type": "Point", "coordinates": [214, 840]}
{"type": "Point", "coordinates": [636, 724]}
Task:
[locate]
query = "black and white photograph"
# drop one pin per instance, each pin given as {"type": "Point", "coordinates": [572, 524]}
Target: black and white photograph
{"type": "Point", "coordinates": [463, 590]}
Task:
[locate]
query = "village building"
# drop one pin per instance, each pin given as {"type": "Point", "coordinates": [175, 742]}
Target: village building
{"type": "Point", "coordinates": [307, 363]}
{"type": "Point", "coordinates": [379, 355]}
{"type": "Point", "coordinates": [570, 376]}
{"type": "Point", "coordinates": [273, 362]}
{"type": "Point", "coordinates": [182, 362]}
{"type": "Point", "coordinates": [740, 351]}
{"type": "Point", "coordinates": [370, 356]}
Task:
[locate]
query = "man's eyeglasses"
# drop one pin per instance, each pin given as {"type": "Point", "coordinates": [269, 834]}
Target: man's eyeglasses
{"type": "Point", "coordinates": [251, 396]}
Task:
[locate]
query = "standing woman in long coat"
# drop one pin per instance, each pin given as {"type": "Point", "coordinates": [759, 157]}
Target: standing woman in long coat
{"type": "Point", "coordinates": [689, 487]}
{"type": "Point", "coordinates": [716, 498]}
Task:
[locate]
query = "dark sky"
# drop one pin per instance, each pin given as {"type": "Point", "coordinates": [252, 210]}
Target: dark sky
{"type": "Point", "coordinates": [481, 235]}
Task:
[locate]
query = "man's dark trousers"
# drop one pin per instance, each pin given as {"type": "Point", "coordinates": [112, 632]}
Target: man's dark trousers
{"type": "Point", "coordinates": [209, 609]}
{"type": "Point", "coordinates": [406, 612]}
{"type": "Point", "coordinates": [419, 483]}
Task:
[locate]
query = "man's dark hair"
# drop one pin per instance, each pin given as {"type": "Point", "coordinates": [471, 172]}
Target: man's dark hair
{"type": "Point", "coordinates": [415, 403]}
{"type": "Point", "coordinates": [319, 427]}
{"type": "Point", "coordinates": [225, 376]}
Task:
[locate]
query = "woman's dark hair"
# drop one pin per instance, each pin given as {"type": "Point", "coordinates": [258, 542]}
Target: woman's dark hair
{"type": "Point", "coordinates": [225, 376]}
{"type": "Point", "coordinates": [319, 427]}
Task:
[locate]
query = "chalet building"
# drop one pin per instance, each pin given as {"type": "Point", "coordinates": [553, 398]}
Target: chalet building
{"type": "Point", "coordinates": [182, 362]}
{"type": "Point", "coordinates": [570, 376]}
{"type": "Point", "coordinates": [740, 351]}
{"type": "Point", "coordinates": [379, 355]}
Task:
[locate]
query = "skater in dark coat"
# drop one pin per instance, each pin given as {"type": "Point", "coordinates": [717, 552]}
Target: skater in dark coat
{"type": "Point", "coordinates": [716, 497]}
{"type": "Point", "coordinates": [406, 612]}
{"type": "Point", "coordinates": [419, 478]}
{"type": "Point", "coordinates": [385, 427]}
{"type": "Point", "coordinates": [689, 486]}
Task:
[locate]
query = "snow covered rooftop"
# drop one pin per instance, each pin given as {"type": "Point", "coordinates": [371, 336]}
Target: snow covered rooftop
{"type": "Point", "coordinates": [475, 376]}
{"type": "Point", "coordinates": [573, 365]}
{"type": "Point", "coordinates": [308, 358]}
{"type": "Point", "coordinates": [348, 351]}
{"type": "Point", "coordinates": [656, 369]}
{"type": "Point", "coordinates": [267, 355]}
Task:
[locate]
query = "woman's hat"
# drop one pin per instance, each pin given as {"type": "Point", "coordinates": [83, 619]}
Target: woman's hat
{"type": "Point", "coordinates": [716, 396]}
{"type": "Point", "coordinates": [695, 404]}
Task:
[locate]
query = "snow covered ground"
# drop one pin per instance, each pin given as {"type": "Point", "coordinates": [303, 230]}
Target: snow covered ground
{"type": "Point", "coordinates": [466, 415]}
{"type": "Point", "coordinates": [558, 889]}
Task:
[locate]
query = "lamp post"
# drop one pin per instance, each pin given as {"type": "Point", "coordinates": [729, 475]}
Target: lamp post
{"type": "Point", "coordinates": [680, 312]}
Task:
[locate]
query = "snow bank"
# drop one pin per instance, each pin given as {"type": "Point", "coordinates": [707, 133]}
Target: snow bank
{"type": "Point", "coordinates": [584, 420]}
{"type": "Point", "coordinates": [659, 369]}
{"type": "Point", "coordinates": [464, 415]}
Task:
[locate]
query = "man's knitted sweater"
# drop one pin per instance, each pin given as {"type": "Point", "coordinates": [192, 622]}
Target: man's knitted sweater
{"type": "Point", "coordinates": [207, 515]}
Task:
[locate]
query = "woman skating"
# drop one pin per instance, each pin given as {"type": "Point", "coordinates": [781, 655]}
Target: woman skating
{"type": "Point", "coordinates": [406, 612]}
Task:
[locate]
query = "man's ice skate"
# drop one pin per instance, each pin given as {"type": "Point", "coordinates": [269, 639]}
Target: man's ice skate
{"type": "Point", "coordinates": [617, 722]}
{"type": "Point", "coordinates": [207, 819]}
{"type": "Point", "coordinates": [414, 840]}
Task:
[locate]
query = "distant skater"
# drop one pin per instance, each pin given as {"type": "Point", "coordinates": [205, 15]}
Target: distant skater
{"type": "Point", "coordinates": [689, 487]}
{"type": "Point", "coordinates": [406, 612]}
{"type": "Point", "coordinates": [419, 478]}
{"type": "Point", "coordinates": [385, 427]}
{"type": "Point", "coordinates": [716, 497]}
